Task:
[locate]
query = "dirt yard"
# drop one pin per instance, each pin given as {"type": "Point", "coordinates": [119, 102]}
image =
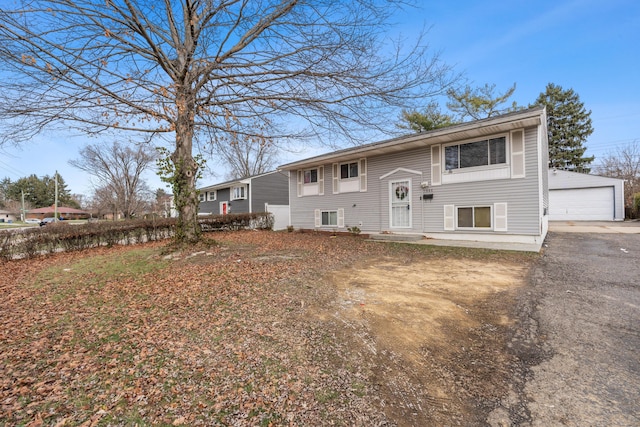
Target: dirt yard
{"type": "Point", "coordinates": [268, 329]}
{"type": "Point", "coordinates": [437, 328]}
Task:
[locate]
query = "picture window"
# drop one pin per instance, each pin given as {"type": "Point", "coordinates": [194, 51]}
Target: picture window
{"type": "Point", "coordinates": [473, 154]}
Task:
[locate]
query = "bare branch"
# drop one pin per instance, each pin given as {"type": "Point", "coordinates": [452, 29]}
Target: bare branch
{"type": "Point", "coordinates": [310, 68]}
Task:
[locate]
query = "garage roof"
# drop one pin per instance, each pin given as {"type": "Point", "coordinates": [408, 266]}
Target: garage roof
{"type": "Point", "coordinates": [562, 180]}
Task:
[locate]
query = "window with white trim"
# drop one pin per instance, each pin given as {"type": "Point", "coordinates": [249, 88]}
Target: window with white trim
{"type": "Point", "coordinates": [239, 192]}
{"type": "Point", "coordinates": [486, 152]}
{"type": "Point", "coordinates": [311, 176]}
{"type": "Point", "coordinates": [474, 217]}
{"type": "Point", "coordinates": [311, 182]}
{"type": "Point", "coordinates": [211, 196]}
{"type": "Point", "coordinates": [350, 176]}
{"type": "Point", "coordinates": [349, 170]}
{"type": "Point", "coordinates": [202, 196]}
{"type": "Point", "coordinates": [329, 218]}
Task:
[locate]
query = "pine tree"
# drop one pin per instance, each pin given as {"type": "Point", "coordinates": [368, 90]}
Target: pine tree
{"type": "Point", "coordinates": [568, 126]}
{"type": "Point", "coordinates": [430, 119]}
{"type": "Point", "coordinates": [481, 102]}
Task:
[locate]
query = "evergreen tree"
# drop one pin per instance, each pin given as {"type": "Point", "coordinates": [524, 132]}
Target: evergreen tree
{"type": "Point", "coordinates": [481, 102]}
{"type": "Point", "coordinates": [568, 126]}
{"type": "Point", "coordinates": [40, 193]}
{"type": "Point", "coordinates": [431, 118]}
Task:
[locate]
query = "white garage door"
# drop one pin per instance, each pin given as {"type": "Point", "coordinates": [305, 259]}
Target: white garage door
{"type": "Point", "coordinates": [584, 204]}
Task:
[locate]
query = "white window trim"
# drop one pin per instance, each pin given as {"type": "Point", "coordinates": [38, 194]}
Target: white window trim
{"type": "Point", "coordinates": [202, 197]}
{"type": "Point", "coordinates": [351, 178]}
{"type": "Point", "coordinates": [215, 195]}
{"type": "Point", "coordinates": [507, 143]}
{"type": "Point", "coordinates": [491, 211]}
{"type": "Point", "coordinates": [362, 173]}
{"type": "Point", "coordinates": [339, 218]}
{"type": "Point", "coordinates": [320, 182]}
{"type": "Point", "coordinates": [361, 179]}
{"type": "Point", "coordinates": [312, 188]}
{"type": "Point", "coordinates": [244, 192]}
{"type": "Point", "coordinates": [449, 217]}
{"type": "Point", "coordinates": [517, 154]}
{"type": "Point", "coordinates": [436, 165]}
{"type": "Point", "coordinates": [317, 176]}
{"type": "Point", "coordinates": [500, 217]}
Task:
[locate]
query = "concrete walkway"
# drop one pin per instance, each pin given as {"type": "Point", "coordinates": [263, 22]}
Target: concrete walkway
{"type": "Point", "coordinates": [607, 227]}
{"type": "Point", "coordinates": [418, 239]}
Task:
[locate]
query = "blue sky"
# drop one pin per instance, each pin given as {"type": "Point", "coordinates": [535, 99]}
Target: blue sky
{"type": "Point", "coordinates": [592, 46]}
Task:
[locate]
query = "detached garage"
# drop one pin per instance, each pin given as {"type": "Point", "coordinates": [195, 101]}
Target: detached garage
{"type": "Point", "coordinates": [582, 197]}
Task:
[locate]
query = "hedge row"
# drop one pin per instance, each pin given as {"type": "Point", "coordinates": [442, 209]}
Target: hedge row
{"type": "Point", "coordinates": [59, 237]}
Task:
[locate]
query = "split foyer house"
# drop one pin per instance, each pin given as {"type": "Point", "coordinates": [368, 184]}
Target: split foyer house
{"type": "Point", "coordinates": [267, 192]}
{"type": "Point", "coordinates": [484, 180]}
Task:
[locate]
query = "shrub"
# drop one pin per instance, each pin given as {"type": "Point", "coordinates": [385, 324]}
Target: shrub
{"type": "Point", "coordinates": [31, 242]}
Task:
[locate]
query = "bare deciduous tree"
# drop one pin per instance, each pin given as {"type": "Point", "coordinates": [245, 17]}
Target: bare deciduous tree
{"type": "Point", "coordinates": [245, 155]}
{"type": "Point", "coordinates": [175, 67]}
{"type": "Point", "coordinates": [119, 171]}
{"type": "Point", "coordinates": [624, 163]}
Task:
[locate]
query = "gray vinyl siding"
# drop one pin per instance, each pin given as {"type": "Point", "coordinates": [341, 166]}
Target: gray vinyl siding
{"type": "Point", "coordinates": [268, 188]}
{"type": "Point", "coordinates": [371, 208]}
{"type": "Point", "coordinates": [521, 195]}
{"type": "Point", "coordinates": [213, 207]}
{"type": "Point", "coordinates": [271, 188]}
{"type": "Point", "coordinates": [240, 205]}
{"type": "Point", "coordinates": [368, 210]}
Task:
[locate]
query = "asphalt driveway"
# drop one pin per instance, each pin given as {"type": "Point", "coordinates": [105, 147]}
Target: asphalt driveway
{"type": "Point", "coordinates": [579, 334]}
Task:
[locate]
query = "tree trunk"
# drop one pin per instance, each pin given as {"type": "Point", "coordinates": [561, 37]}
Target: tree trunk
{"type": "Point", "coordinates": [185, 172]}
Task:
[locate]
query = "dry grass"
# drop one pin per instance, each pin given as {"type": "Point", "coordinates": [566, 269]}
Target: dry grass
{"type": "Point", "coordinates": [221, 335]}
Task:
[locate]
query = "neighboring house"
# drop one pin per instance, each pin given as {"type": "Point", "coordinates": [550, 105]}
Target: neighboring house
{"type": "Point", "coordinates": [63, 212]}
{"type": "Point", "coordinates": [582, 197]}
{"type": "Point", "coordinates": [484, 180]}
{"type": "Point", "coordinates": [8, 216]}
{"type": "Point", "coordinates": [267, 192]}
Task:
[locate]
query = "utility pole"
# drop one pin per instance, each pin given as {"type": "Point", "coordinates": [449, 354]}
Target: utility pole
{"type": "Point", "coordinates": [22, 214]}
{"type": "Point", "coordinates": [55, 204]}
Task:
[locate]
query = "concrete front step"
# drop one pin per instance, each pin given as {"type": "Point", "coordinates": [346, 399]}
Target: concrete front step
{"type": "Point", "coordinates": [397, 237]}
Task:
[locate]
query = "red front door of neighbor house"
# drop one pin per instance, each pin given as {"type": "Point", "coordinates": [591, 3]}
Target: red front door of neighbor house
{"type": "Point", "coordinates": [224, 207]}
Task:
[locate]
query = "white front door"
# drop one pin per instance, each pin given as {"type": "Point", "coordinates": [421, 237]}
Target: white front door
{"type": "Point", "coordinates": [400, 206]}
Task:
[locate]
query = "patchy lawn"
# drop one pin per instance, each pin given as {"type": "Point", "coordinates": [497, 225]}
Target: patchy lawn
{"type": "Point", "coordinates": [262, 329]}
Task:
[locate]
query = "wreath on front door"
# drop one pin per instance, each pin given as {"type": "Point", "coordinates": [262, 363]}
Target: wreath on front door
{"type": "Point", "coordinates": [402, 192]}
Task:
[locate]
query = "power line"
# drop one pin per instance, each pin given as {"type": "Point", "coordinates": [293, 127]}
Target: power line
{"type": "Point", "coordinates": [10, 169]}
